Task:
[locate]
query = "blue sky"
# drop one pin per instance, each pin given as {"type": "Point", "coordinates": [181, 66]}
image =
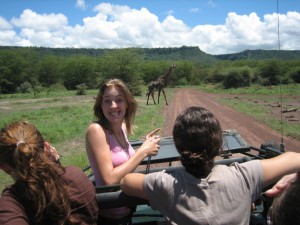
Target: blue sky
{"type": "Point", "coordinates": [215, 26]}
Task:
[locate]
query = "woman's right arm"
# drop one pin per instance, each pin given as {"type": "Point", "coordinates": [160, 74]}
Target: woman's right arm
{"type": "Point", "coordinates": [98, 150]}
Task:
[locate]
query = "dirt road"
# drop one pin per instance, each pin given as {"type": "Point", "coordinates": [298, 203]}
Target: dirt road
{"type": "Point", "coordinates": [252, 131]}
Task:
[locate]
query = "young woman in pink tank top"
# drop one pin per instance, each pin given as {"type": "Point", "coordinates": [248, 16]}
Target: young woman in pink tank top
{"type": "Point", "coordinates": [109, 152]}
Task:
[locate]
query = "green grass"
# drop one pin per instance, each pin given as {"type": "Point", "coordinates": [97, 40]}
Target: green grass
{"type": "Point", "coordinates": [262, 114]}
{"type": "Point", "coordinates": [43, 94]}
{"type": "Point", "coordinates": [253, 101]}
{"type": "Point", "coordinates": [56, 123]}
{"type": "Point", "coordinates": [290, 89]}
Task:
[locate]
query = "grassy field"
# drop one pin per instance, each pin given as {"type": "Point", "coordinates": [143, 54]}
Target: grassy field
{"type": "Point", "coordinates": [63, 118]}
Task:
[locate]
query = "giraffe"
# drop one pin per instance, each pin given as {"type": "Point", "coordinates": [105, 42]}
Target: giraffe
{"type": "Point", "coordinates": [159, 85]}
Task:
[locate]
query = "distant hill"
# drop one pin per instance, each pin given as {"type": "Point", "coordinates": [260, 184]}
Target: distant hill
{"type": "Point", "coordinates": [261, 55]}
{"type": "Point", "coordinates": [193, 54]}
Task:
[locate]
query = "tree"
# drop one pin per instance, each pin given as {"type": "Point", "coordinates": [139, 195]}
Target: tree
{"type": "Point", "coordinates": [232, 80]}
{"type": "Point", "coordinates": [78, 70]}
{"type": "Point", "coordinates": [123, 64]}
{"type": "Point", "coordinates": [183, 74]}
{"type": "Point", "coordinates": [151, 70]}
{"type": "Point", "coordinates": [11, 71]}
{"type": "Point", "coordinates": [270, 72]}
{"type": "Point", "coordinates": [49, 72]}
{"type": "Point", "coordinates": [236, 79]}
{"type": "Point", "coordinates": [295, 75]}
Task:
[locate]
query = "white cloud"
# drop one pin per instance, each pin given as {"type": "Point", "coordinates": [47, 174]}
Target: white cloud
{"type": "Point", "coordinates": [289, 27]}
{"type": "Point", "coordinates": [117, 26]}
{"type": "Point", "coordinates": [4, 24]}
{"type": "Point", "coordinates": [40, 22]}
{"type": "Point", "coordinates": [80, 4]}
{"type": "Point", "coordinates": [7, 34]}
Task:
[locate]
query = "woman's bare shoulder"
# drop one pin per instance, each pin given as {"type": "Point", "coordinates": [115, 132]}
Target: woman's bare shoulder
{"type": "Point", "coordinates": [94, 128]}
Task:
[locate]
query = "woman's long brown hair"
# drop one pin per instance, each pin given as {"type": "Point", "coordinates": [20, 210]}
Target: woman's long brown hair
{"type": "Point", "coordinates": [38, 175]}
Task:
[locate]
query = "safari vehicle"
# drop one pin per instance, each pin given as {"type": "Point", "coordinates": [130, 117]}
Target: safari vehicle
{"type": "Point", "coordinates": [235, 149]}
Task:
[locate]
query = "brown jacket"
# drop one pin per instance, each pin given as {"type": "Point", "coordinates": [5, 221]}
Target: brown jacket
{"type": "Point", "coordinates": [83, 197]}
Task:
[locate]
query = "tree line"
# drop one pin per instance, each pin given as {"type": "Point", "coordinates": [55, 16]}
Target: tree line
{"type": "Point", "coordinates": [24, 70]}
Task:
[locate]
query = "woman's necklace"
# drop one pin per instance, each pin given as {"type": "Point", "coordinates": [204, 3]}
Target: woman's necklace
{"type": "Point", "coordinates": [125, 149]}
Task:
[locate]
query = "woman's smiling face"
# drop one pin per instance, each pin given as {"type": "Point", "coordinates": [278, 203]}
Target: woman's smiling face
{"type": "Point", "coordinates": [114, 105]}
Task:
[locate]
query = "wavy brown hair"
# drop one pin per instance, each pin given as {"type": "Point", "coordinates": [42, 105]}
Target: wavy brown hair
{"type": "Point", "coordinates": [131, 102]}
{"type": "Point", "coordinates": [198, 138]}
{"type": "Point", "coordinates": [286, 206]}
{"type": "Point", "coordinates": [37, 174]}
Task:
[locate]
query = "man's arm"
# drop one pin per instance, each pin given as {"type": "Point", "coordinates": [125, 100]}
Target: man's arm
{"type": "Point", "coordinates": [279, 166]}
{"type": "Point", "coordinates": [133, 185]}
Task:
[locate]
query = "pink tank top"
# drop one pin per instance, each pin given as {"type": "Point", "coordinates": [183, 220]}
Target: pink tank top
{"type": "Point", "coordinates": [118, 154]}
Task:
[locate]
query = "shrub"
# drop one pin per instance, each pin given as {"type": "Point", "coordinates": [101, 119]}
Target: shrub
{"type": "Point", "coordinates": [57, 87]}
{"type": "Point", "coordinates": [25, 87]}
{"type": "Point", "coordinates": [81, 89]}
{"type": "Point", "coordinates": [235, 79]}
{"type": "Point", "coordinates": [295, 75]}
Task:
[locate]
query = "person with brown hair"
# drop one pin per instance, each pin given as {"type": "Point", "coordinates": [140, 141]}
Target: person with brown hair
{"type": "Point", "coordinates": [110, 154]}
{"type": "Point", "coordinates": [44, 192]}
{"type": "Point", "coordinates": [285, 209]}
{"type": "Point", "coordinates": [202, 192]}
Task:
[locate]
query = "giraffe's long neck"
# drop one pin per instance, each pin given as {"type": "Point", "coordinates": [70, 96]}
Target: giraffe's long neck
{"type": "Point", "coordinates": [167, 74]}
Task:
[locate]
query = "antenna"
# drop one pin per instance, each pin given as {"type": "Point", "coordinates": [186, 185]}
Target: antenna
{"type": "Point", "coordinates": [280, 92]}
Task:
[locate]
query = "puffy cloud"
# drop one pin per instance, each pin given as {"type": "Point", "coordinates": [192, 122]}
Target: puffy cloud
{"type": "Point", "coordinates": [117, 26]}
{"type": "Point", "coordinates": [289, 29]}
{"type": "Point", "coordinates": [40, 22]}
{"type": "Point", "coordinates": [241, 32]}
{"type": "Point", "coordinates": [7, 34]}
{"type": "Point", "coordinates": [5, 25]}
{"type": "Point", "coordinates": [47, 30]}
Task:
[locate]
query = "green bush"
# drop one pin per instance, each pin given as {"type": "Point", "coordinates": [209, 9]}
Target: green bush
{"type": "Point", "coordinates": [57, 87]}
{"type": "Point", "coordinates": [235, 79]}
{"type": "Point", "coordinates": [295, 75]}
{"type": "Point", "coordinates": [81, 89]}
{"type": "Point", "coordinates": [25, 87]}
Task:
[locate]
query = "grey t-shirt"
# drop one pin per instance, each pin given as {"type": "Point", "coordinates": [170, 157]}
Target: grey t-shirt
{"type": "Point", "coordinates": [223, 197]}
